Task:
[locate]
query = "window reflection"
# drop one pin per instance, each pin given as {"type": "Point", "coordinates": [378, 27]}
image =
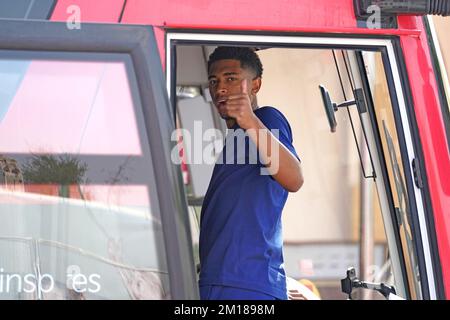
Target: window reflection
{"type": "Point", "coordinates": [75, 182]}
{"type": "Point", "coordinates": [67, 107]}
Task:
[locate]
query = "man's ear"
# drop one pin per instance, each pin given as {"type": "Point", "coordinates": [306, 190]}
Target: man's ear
{"type": "Point", "coordinates": [256, 85]}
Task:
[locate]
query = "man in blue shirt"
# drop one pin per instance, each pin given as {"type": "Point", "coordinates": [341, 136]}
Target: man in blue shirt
{"type": "Point", "coordinates": [240, 230]}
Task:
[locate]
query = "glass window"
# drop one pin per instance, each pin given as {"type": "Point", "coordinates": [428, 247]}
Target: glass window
{"type": "Point", "coordinates": [76, 187]}
{"type": "Point", "coordinates": [392, 155]}
{"type": "Point", "coordinates": [323, 226]}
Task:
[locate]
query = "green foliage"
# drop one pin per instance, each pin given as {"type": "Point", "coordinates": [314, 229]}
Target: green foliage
{"type": "Point", "coordinates": [63, 170]}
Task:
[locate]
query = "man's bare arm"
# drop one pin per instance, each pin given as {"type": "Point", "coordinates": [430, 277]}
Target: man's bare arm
{"type": "Point", "coordinates": [281, 164]}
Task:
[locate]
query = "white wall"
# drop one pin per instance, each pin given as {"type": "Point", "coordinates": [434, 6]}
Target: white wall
{"type": "Point", "coordinates": [322, 209]}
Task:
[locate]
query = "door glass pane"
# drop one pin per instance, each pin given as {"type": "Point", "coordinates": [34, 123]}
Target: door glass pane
{"type": "Point", "coordinates": [322, 223]}
{"type": "Point", "coordinates": [393, 159]}
{"type": "Point", "coordinates": [76, 181]}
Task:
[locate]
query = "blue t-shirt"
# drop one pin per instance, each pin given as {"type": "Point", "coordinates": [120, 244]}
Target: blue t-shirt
{"type": "Point", "coordinates": [240, 228]}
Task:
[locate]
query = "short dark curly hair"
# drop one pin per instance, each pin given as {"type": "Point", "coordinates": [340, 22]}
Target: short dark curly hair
{"type": "Point", "coordinates": [247, 57]}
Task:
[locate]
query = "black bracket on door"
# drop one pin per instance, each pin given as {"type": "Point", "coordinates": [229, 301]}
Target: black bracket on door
{"type": "Point", "coordinates": [417, 174]}
{"type": "Point", "coordinates": [351, 282]}
{"type": "Point", "coordinates": [359, 102]}
{"type": "Point", "coordinates": [330, 109]}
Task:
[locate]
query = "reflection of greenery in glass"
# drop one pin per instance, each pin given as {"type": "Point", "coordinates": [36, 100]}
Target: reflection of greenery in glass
{"type": "Point", "coordinates": [51, 169]}
{"type": "Point", "coordinates": [63, 170]}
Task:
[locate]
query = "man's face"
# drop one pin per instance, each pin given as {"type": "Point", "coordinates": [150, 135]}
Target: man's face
{"type": "Point", "coordinates": [225, 78]}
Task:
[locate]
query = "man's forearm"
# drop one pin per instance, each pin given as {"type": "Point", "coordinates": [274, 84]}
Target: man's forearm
{"type": "Point", "coordinates": [281, 164]}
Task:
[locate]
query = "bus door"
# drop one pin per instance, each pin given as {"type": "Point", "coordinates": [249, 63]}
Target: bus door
{"type": "Point", "coordinates": [347, 103]}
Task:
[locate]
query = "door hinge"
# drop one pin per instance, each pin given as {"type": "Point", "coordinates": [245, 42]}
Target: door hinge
{"type": "Point", "coordinates": [417, 174]}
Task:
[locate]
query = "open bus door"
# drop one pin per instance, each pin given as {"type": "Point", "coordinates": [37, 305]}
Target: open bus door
{"type": "Point", "coordinates": [378, 113]}
{"type": "Point", "coordinates": [98, 194]}
{"type": "Point", "coordinates": [371, 71]}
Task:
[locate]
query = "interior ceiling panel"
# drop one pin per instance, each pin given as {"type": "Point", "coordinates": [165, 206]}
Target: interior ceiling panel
{"type": "Point", "coordinates": [191, 66]}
